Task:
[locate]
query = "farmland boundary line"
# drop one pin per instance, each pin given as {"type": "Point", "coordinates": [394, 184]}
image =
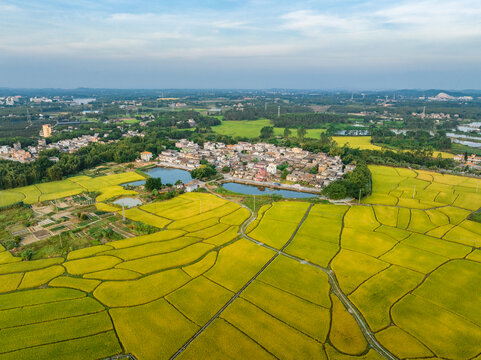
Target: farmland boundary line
{"type": "Point", "coordinates": [238, 293]}
{"type": "Point", "coordinates": [335, 288]}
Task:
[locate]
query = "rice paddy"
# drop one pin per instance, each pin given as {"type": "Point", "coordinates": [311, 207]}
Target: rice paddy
{"type": "Point", "coordinates": [406, 258]}
{"type": "Point", "coordinates": [55, 190]}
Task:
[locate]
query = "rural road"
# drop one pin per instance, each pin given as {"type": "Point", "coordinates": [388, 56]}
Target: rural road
{"type": "Point", "coordinates": [336, 289]}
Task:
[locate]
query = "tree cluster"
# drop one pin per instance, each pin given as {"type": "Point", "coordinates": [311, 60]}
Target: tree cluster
{"type": "Point", "coordinates": [308, 121]}
{"type": "Point", "coordinates": [355, 184]}
{"type": "Point", "coordinates": [204, 172]}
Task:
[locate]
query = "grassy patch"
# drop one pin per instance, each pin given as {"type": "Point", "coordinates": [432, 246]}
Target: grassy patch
{"type": "Point", "coordinates": [166, 333]}
{"type": "Point", "coordinates": [345, 334]}
{"type": "Point", "coordinates": [223, 341]}
{"type": "Point", "coordinates": [199, 299]}
{"type": "Point", "coordinates": [297, 279]}
{"type": "Point", "coordinates": [375, 297]}
{"type": "Point", "coordinates": [445, 333]}
{"type": "Point", "coordinates": [272, 334]}
{"type": "Point", "coordinates": [136, 292]}
{"type": "Point", "coordinates": [238, 263]}
{"type": "Point", "coordinates": [302, 315]}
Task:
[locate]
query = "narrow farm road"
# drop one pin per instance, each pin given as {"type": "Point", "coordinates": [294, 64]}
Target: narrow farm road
{"type": "Point", "coordinates": [336, 289]}
{"type": "Point", "coordinates": [238, 293]}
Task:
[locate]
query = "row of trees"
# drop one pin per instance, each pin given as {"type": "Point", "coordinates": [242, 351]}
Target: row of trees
{"type": "Point", "coordinates": [309, 121]}
{"type": "Point", "coordinates": [416, 139]}
{"type": "Point", "coordinates": [263, 110]}
{"type": "Point", "coordinates": [355, 184]}
{"type": "Point", "coordinates": [180, 119]}
{"type": "Point", "coordinates": [14, 174]}
{"type": "Point", "coordinates": [205, 171]}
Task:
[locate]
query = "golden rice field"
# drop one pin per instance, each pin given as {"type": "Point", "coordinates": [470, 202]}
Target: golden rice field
{"type": "Point", "coordinates": [106, 185]}
{"type": "Point", "coordinates": [406, 258]}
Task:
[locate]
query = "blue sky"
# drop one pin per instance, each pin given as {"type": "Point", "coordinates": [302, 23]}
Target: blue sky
{"type": "Point", "coordinates": [343, 44]}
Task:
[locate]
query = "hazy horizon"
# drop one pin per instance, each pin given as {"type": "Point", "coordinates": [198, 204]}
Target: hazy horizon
{"type": "Point", "coordinates": [256, 44]}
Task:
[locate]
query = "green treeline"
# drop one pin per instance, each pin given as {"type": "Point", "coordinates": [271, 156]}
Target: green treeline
{"type": "Point", "coordinates": [309, 121]}
{"type": "Point", "coordinates": [355, 184]}
{"type": "Point", "coordinates": [180, 119]}
{"type": "Point", "coordinates": [269, 111]}
{"type": "Point", "coordinates": [15, 174]}
{"type": "Point", "coordinates": [412, 139]}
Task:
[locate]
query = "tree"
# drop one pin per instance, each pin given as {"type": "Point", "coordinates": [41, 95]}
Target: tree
{"type": "Point", "coordinates": [287, 133]}
{"type": "Point", "coordinates": [26, 254]}
{"type": "Point", "coordinates": [301, 133]}
{"type": "Point", "coordinates": [225, 169]}
{"type": "Point", "coordinates": [354, 183]}
{"type": "Point", "coordinates": [203, 172]}
{"type": "Point", "coordinates": [153, 184]}
{"type": "Point", "coordinates": [335, 190]}
{"type": "Point", "coordinates": [284, 174]}
{"type": "Point", "coordinates": [326, 140]}
{"type": "Point", "coordinates": [267, 132]}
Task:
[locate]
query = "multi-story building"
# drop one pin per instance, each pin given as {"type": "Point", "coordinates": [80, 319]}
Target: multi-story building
{"type": "Point", "coordinates": [46, 130]}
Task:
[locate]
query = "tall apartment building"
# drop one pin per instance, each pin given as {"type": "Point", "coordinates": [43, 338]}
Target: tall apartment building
{"type": "Point", "coordinates": [46, 130]}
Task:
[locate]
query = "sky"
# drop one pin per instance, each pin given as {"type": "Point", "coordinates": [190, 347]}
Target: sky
{"type": "Point", "coordinates": [249, 44]}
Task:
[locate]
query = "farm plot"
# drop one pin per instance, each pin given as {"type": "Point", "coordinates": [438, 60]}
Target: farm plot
{"type": "Point", "coordinates": [10, 197]}
{"type": "Point", "coordinates": [137, 214]}
{"type": "Point", "coordinates": [279, 223]}
{"type": "Point", "coordinates": [56, 190]}
{"type": "Point", "coordinates": [113, 191]}
{"type": "Point", "coordinates": [411, 272]}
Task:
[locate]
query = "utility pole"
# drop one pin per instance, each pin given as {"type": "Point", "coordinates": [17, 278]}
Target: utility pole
{"type": "Point", "coordinates": [279, 111]}
{"type": "Point", "coordinates": [477, 187]}
{"type": "Point", "coordinates": [123, 211]}
{"type": "Point", "coordinates": [254, 203]}
{"type": "Point", "coordinates": [414, 191]}
{"type": "Point", "coordinates": [265, 106]}
{"type": "Point", "coordinates": [360, 191]}
{"type": "Point", "coordinates": [60, 236]}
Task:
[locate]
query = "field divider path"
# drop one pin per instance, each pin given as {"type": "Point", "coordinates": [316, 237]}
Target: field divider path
{"type": "Point", "coordinates": [238, 293]}
{"type": "Point", "coordinates": [336, 289]}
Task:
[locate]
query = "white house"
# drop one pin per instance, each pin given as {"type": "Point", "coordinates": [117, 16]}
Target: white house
{"type": "Point", "coordinates": [193, 185]}
{"type": "Point", "coordinates": [146, 156]}
{"type": "Point", "coordinates": [271, 168]}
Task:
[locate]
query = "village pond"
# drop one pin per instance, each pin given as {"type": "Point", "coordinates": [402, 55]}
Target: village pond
{"type": "Point", "coordinates": [128, 202]}
{"type": "Point", "coordinates": [260, 190]}
{"type": "Point", "coordinates": [167, 175]}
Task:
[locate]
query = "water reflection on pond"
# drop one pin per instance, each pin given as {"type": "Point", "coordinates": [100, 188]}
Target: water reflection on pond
{"type": "Point", "coordinates": [128, 202]}
{"type": "Point", "coordinates": [167, 176]}
{"type": "Point", "coordinates": [259, 190]}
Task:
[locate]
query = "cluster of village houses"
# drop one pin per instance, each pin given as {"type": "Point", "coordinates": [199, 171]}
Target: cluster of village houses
{"type": "Point", "coordinates": [473, 161]}
{"type": "Point", "coordinates": [259, 162]}
{"type": "Point", "coordinates": [30, 153]}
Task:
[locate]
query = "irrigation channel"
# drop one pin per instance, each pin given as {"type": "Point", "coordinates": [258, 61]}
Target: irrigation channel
{"type": "Point", "coordinates": [335, 288]}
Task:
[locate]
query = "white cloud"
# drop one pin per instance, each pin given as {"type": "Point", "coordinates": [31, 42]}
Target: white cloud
{"type": "Point", "coordinates": [409, 32]}
{"type": "Point", "coordinates": [8, 8]}
{"type": "Point", "coordinates": [313, 23]}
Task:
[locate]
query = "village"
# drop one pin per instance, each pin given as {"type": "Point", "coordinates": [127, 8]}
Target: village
{"type": "Point", "coordinates": [256, 163]}
{"type": "Point", "coordinates": [30, 153]}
